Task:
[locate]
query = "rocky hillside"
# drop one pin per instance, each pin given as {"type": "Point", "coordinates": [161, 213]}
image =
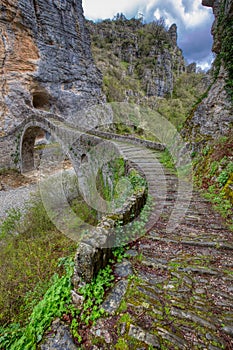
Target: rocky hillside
{"type": "Point", "coordinates": [149, 52]}
{"type": "Point", "coordinates": [213, 116]}
{"type": "Point", "coordinates": [45, 60]}
{"type": "Point", "coordinates": [209, 127]}
{"type": "Point", "coordinates": [141, 63]}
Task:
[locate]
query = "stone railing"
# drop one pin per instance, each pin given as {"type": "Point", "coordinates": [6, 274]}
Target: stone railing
{"type": "Point", "coordinates": [128, 138]}
{"type": "Point", "coordinates": [95, 249]}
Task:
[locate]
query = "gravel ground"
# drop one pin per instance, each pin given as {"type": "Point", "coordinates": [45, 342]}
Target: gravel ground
{"type": "Point", "coordinates": [15, 198]}
{"type": "Point", "coordinates": [12, 196]}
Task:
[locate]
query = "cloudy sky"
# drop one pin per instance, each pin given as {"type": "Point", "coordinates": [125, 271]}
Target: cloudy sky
{"type": "Point", "coordinates": [194, 21]}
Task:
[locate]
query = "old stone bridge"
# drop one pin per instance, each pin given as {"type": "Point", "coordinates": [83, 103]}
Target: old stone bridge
{"type": "Point", "coordinates": [17, 148]}
{"type": "Point", "coordinates": [89, 151]}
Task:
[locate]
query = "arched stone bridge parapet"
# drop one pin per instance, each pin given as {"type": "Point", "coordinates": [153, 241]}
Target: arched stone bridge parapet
{"type": "Point", "coordinates": [17, 148]}
{"type": "Point", "coordinates": [73, 142]}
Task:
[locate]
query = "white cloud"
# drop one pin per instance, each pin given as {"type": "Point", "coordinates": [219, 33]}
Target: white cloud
{"type": "Point", "coordinates": [190, 12]}
{"type": "Point", "coordinates": [196, 16]}
{"type": "Point", "coordinates": [206, 63]}
{"type": "Point", "coordinates": [157, 13]}
{"type": "Point", "coordinates": [96, 9]}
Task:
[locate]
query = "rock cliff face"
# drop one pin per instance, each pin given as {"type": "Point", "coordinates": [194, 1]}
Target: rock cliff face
{"type": "Point", "coordinates": [213, 116]}
{"type": "Point", "coordinates": [45, 60]}
{"type": "Point", "coordinates": [145, 52]}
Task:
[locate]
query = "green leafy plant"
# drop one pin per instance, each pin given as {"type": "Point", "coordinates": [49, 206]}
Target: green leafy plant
{"type": "Point", "coordinates": [205, 150]}
{"type": "Point", "coordinates": [121, 344]}
{"type": "Point", "coordinates": [119, 253]}
{"type": "Point", "coordinates": [221, 204]}
{"type": "Point", "coordinates": [137, 181]}
{"type": "Point", "coordinates": [74, 328]}
{"type": "Point", "coordinates": [167, 160]}
{"type": "Point", "coordinates": [214, 174]}
{"type": "Point", "coordinates": [214, 168]}
{"type": "Point", "coordinates": [29, 251]}
{"type": "Point", "coordinates": [222, 178]}
{"type": "Point", "coordinates": [54, 304]}
{"type": "Point", "coordinates": [93, 294]}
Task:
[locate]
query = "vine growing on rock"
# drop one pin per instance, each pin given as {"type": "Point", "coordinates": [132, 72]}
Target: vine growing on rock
{"type": "Point", "coordinates": [214, 174]}
{"type": "Point", "coordinates": [224, 28]}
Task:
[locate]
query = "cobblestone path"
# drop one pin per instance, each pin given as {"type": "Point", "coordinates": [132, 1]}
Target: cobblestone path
{"type": "Point", "coordinates": [175, 291]}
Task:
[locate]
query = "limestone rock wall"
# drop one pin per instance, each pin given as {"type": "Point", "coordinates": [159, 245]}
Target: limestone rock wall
{"type": "Point", "coordinates": [9, 152]}
{"type": "Point", "coordinates": [45, 61]}
{"type": "Point", "coordinates": [213, 116]}
{"type": "Point", "coordinates": [149, 51]}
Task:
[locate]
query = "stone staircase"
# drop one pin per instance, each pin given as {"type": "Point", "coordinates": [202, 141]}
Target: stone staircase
{"type": "Point", "coordinates": [159, 179]}
{"type": "Point", "coordinates": [175, 291]}
{"type": "Point", "coordinates": [147, 163]}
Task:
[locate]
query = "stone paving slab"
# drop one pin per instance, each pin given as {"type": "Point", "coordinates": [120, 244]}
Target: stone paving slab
{"type": "Point", "coordinates": [181, 293]}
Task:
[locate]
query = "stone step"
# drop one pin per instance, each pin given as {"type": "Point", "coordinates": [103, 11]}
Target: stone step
{"type": "Point", "coordinates": [182, 294]}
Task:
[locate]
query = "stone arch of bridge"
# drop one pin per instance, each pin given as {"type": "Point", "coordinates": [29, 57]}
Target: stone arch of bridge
{"type": "Point", "coordinates": [33, 132]}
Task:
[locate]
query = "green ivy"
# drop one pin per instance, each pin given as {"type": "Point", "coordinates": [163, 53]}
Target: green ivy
{"type": "Point", "coordinates": [137, 181]}
{"type": "Point", "coordinates": [222, 178]}
{"type": "Point", "coordinates": [225, 25]}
